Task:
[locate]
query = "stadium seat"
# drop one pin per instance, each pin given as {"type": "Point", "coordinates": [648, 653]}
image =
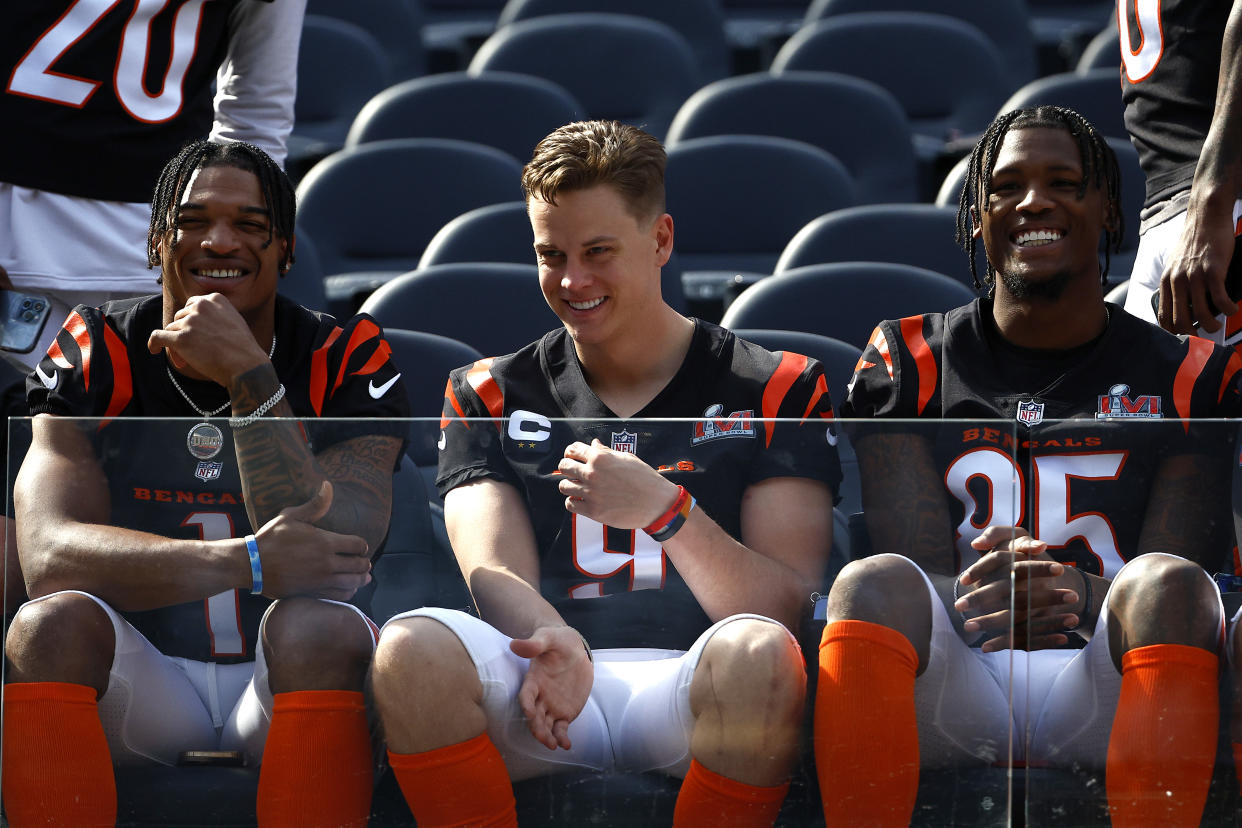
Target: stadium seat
{"type": "Point", "coordinates": [947, 76]}
{"type": "Point", "coordinates": [504, 110]}
{"type": "Point", "coordinates": [304, 281]}
{"type": "Point", "coordinates": [868, 233]}
{"type": "Point", "coordinates": [1133, 187]}
{"type": "Point", "coordinates": [621, 67]}
{"type": "Point", "coordinates": [845, 300]}
{"type": "Point", "coordinates": [375, 206]}
{"type": "Point", "coordinates": [1006, 23]}
{"type": "Point", "coordinates": [501, 233]}
{"type": "Point", "coordinates": [737, 200]}
{"type": "Point", "coordinates": [1095, 95]}
{"type": "Point", "coordinates": [396, 25]}
{"type": "Point", "coordinates": [875, 146]}
{"type": "Point", "coordinates": [1103, 52]}
{"type": "Point", "coordinates": [340, 66]}
{"type": "Point", "coordinates": [495, 308]}
{"type": "Point", "coordinates": [700, 22]}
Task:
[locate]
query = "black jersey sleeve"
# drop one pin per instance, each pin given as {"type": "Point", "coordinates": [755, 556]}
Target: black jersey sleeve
{"type": "Point", "coordinates": [85, 372]}
{"type": "Point", "coordinates": [470, 429]}
{"type": "Point", "coordinates": [353, 376]}
{"type": "Point", "coordinates": [799, 437]}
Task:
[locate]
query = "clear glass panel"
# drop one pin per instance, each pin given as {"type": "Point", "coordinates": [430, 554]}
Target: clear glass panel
{"type": "Point", "coordinates": [1005, 736]}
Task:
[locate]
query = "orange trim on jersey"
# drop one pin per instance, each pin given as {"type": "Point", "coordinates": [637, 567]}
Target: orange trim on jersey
{"type": "Point", "coordinates": [319, 373]}
{"type": "Point", "coordinates": [480, 379]}
{"type": "Point", "coordinates": [1197, 353]}
{"type": "Point", "coordinates": [452, 399]}
{"type": "Point", "coordinates": [924, 359]}
{"type": "Point", "coordinates": [363, 332]}
{"type": "Point", "coordinates": [76, 326]}
{"type": "Point", "coordinates": [1232, 367]}
{"type": "Point", "coordinates": [880, 342]}
{"type": "Point", "coordinates": [378, 359]}
{"type": "Point", "coordinates": [122, 382]}
{"type": "Point", "coordinates": [774, 390]}
{"type": "Point", "coordinates": [821, 388]}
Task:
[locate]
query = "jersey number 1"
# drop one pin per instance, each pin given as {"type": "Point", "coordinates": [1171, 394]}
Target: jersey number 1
{"type": "Point", "coordinates": [223, 609]}
{"type": "Point", "coordinates": [34, 77]}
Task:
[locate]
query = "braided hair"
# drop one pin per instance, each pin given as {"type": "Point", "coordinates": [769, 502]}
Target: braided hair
{"type": "Point", "coordinates": [1099, 167]}
{"type": "Point", "coordinates": [273, 183]}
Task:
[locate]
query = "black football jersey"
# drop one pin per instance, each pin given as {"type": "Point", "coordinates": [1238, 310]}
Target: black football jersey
{"type": "Point", "coordinates": [1080, 434]}
{"type": "Point", "coordinates": [1170, 53]}
{"type": "Point", "coordinates": [99, 367]}
{"type": "Point", "coordinates": [617, 586]}
{"type": "Point", "coordinates": [99, 95]}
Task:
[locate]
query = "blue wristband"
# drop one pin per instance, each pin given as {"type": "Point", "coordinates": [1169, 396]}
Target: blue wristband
{"type": "Point", "coordinates": [256, 567]}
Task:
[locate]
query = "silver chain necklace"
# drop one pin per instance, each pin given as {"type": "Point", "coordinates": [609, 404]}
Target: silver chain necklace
{"type": "Point", "coordinates": [205, 440]}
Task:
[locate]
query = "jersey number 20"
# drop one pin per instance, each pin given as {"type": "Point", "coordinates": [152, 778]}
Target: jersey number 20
{"type": "Point", "coordinates": [35, 77]}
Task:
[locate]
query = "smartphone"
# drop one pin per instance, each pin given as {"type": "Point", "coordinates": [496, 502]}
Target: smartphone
{"type": "Point", "coordinates": [218, 758]}
{"type": "Point", "coordinates": [22, 317]}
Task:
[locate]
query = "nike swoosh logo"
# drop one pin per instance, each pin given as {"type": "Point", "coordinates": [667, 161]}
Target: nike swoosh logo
{"type": "Point", "coordinates": [376, 393]}
{"type": "Point", "coordinates": [49, 380]}
{"type": "Point", "coordinates": [440, 445]}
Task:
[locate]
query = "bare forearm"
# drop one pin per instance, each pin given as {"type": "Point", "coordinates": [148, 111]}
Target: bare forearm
{"type": "Point", "coordinates": [131, 570]}
{"type": "Point", "coordinates": [1218, 176]}
{"type": "Point", "coordinates": [904, 501]}
{"type": "Point", "coordinates": [509, 603]}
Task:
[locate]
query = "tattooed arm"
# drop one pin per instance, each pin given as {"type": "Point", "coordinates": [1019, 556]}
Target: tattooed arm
{"type": "Point", "coordinates": [278, 469]}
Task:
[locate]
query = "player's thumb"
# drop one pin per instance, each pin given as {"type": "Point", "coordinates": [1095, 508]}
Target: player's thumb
{"type": "Point", "coordinates": [527, 647]}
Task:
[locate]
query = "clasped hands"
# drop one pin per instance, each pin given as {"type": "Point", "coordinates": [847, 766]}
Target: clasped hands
{"type": "Point", "coordinates": [1045, 598]}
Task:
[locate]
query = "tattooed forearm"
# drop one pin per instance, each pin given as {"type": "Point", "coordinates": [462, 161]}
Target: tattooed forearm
{"type": "Point", "coordinates": [904, 500]}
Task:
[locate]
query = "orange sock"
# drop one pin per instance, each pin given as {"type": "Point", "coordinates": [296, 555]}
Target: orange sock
{"type": "Point", "coordinates": [318, 768]}
{"type": "Point", "coordinates": [1163, 743]}
{"type": "Point", "coordinates": [866, 734]}
{"type": "Point", "coordinates": [709, 799]}
{"type": "Point", "coordinates": [57, 768]}
{"type": "Point", "coordinates": [465, 784]}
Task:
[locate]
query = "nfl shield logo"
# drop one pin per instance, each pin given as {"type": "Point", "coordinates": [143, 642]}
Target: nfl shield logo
{"type": "Point", "coordinates": [625, 441]}
{"type": "Point", "coordinates": [208, 471]}
{"type": "Point", "coordinates": [1030, 413]}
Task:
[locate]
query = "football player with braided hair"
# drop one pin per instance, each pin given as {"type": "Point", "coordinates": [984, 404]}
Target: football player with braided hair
{"type": "Point", "coordinates": [188, 583]}
{"type": "Point", "coordinates": [1062, 483]}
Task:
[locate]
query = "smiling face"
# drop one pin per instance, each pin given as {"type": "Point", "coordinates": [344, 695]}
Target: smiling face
{"type": "Point", "coordinates": [222, 243]}
{"type": "Point", "coordinates": [1040, 233]}
{"type": "Point", "coordinates": [599, 266]}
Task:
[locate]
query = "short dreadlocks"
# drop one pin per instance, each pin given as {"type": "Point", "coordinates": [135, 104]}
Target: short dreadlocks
{"type": "Point", "coordinates": [1099, 166]}
{"type": "Point", "coordinates": [274, 184]}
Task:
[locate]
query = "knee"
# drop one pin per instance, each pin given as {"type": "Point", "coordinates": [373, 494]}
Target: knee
{"type": "Point", "coordinates": [419, 656]}
{"type": "Point", "coordinates": [1166, 598]}
{"type": "Point", "coordinates": [882, 589]}
{"type": "Point", "coordinates": [63, 637]}
{"type": "Point", "coordinates": [315, 645]}
{"type": "Point", "coordinates": [757, 663]}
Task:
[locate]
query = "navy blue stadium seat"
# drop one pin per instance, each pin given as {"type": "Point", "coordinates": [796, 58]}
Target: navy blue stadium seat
{"type": "Point", "coordinates": [915, 234]}
{"type": "Point", "coordinates": [700, 22]}
{"type": "Point", "coordinates": [1096, 95]}
{"type": "Point", "coordinates": [375, 206]}
{"type": "Point", "coordinates": [395, 25]}
{"type": "Point", "coordinates": [845, 300]}
{"type": "Point", "coordinates": [1006, 23]}
{"type": "Point", "coordinates": [501, 233]}
{"type": "Point", "coordinates": [621, 67]}
{"type": "Point", "coordinates": [425, 360]}
{"type": "Point", "coordinates": [508, 111]}
{"type": "Point", "coordinates": [1102, 52]}
{"type": "Point", "coordinates": [494, 307]}
{"type": "Point", "coordinates": [304, 281]}
{"type": "Point", "coordinates": [860, 123]}
{"type": "Point", "coordinates": [340, 66]}
{"type": "Point", "coordinates": [737, 200]}
{"type": "Point", "coordinates": [947, 75]}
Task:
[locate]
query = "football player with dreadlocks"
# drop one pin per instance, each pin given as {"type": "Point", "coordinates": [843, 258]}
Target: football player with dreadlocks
{"type": "Point", "coordinates": [926, 661]}
{"type": "Point", "coordinates": [152, 554]}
